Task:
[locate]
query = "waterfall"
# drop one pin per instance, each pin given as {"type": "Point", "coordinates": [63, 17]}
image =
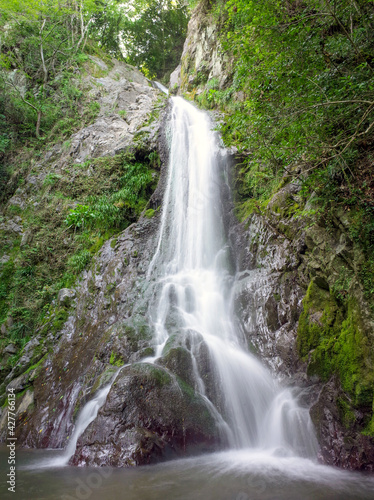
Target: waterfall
{"type": "Point", "coordinates": [192, 304]}
{"type": "Point", "coordinates": [191, 263]}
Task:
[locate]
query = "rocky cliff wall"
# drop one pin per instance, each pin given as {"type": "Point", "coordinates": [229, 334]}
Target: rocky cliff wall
{"type": "Point", "coordinates": [100, 327]}
{"type": "Point", "coordinates": [299, 296]}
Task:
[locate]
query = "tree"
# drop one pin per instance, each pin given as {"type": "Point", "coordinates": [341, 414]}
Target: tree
{"type": "Point", "coordinates": [43, 41]}
{"type": "Point", "coordinates": [153, 35]}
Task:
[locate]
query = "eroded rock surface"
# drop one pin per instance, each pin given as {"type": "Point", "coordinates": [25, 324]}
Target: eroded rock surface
{"type": "Point", "coordinates": [149, 414]}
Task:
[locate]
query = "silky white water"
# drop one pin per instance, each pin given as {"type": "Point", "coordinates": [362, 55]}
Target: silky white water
{"type": "Point", "coordinates": [86, 416]}
{"type": "Point", "coordinates": [190, 266]}
{"type": "Point", "coordinates": [191, 261]}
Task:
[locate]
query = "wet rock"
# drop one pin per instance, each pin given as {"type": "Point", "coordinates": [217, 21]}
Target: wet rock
{"type": "Point", "coordinates": [148, 416]}
{"type": "Point", "coordinates": [338, 428]}
{"type": "Point", "coordinates": [178, 361]}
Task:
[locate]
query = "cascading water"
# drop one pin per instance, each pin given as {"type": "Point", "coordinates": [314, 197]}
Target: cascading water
{"type": "Point", "coordinates": [190, 271]}
{"type": "Point", "coordinates": [191, 261]}
{"type": "Point", "coordinates": [190, 267]}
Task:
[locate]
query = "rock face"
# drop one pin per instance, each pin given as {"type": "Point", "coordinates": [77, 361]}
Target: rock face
{"type": "Point", "coordinates": [288, 310]}
{"type": "Point", "coordinates": [66, 358]}
{"type": "Point", "coordinates": [343, 444]}
{"type": "Point", "coordinates": [203, 58]}
{"type": "Point", "coordinates": [105, 327]}
{"type": "Point", "coordinates": [148, 415]}
{"type": "Point", "coordinates": [152, 411]}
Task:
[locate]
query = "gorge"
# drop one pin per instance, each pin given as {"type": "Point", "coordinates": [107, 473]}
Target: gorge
{"type": "Point", "coordinates": [200, 318]}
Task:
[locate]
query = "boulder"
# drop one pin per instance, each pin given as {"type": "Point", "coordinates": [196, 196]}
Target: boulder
{"type": "Point", "coordinates": [11, 349]}
{"type": "Point", "coordinates": [149, 415]}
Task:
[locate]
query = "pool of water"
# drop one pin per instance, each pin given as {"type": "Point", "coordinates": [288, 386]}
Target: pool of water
{"type": "Point", "coordinates": [236, 475]}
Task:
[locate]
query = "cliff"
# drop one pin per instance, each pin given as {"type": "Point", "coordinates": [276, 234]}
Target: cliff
{"type": "Point", "coordinates": [303, 299]}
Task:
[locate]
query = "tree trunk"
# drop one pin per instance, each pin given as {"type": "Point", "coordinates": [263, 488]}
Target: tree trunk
{"type": "Point", "coordinates": [37, 131]}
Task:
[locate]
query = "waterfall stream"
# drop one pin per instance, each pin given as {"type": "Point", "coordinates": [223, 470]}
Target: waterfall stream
{"type": "Point", "coordinates": [192, 260]}
{"type": "Point", "coordinates": [192, 305]}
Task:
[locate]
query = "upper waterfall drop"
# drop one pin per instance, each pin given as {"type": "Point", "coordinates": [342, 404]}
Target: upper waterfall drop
{"type": "Point", "coordinates": [191, 264]}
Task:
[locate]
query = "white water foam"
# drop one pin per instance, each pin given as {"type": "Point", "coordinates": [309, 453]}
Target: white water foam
{"type": "Point", "coordinates": [191, 260]}
{"type": "Point", "coordinates": [191, 266]}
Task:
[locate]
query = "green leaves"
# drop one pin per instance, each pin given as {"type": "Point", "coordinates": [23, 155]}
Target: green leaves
{"type": "Point", "coordinates": [116, 209]}
{"type": "Point", "coordinates": [305, 73]}
{"type": "Point", "coordinates": [79, 261]}
{"type": "Point", "coordinates": [80, 216]}
{"type": "Point", "coordinates": [153, 35]}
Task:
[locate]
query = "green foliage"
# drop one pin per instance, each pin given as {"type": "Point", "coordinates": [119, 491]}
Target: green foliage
{"type": "Point", "coordinates": [149, 213]}
{"type": "Point", "coordinates": [154, 33]}
{"type": "Point", "coordinates": [114, 210]}
{"type": "Point", "coordinates": [115, 360]}
{"type": "Point", "coordinates": [6, 278]}
{"type": "Point", "coordinates": [79, 261]}
{"type": "Point", "coordinates": [42, 45]}
{"type": "Point", "coordinates": [330, 336]}
{"type": "Point", "coordinates": [300, 92]}
{"type": "Point", "coordinates": [51, 179]}
{"type": "Point", "coordinates": [80, 216]}
{"type": "Point", "coordinates": [112, 192]}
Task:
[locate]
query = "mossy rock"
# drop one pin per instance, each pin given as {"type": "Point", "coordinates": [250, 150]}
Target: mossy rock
{"type": "Point", "coordinates": [317, 318]}
{"type": "Point", "coordinates": [103, 379]}
{"type": "Point", "coordinates": [178, 361]}
{"type": "Point", "coordinates": [163, 414]}
{"type": "Point", "coordinates": [332, 338]}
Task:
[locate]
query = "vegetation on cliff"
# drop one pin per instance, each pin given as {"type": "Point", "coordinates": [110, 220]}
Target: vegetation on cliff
{"type": "Point", "coordinates": [298, 104]}
{"type": "Point", "coordinates": [56, 211]}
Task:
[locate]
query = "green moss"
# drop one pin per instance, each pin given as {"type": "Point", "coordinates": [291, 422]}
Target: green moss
{"type": "Point", "coordinates": [157, 374]}
{"type": "Point", "coordinates": [149, 213]}
{"type": "Point", "coordinates": [316, 319]}
{"type": "Point", "coordinates": [172, 341]}
{"type": "Point", "coordinates": [6, 278]}
{"type": "Point", "coordinates": [59, 320]}
{"type": "Point", "coordinates": [331, 337]}
{"type": "Point", "coordinates": [99, 240]}
{"type": "Point", "coordinates": [103, 379]}
{"type": "Point", "coordinates": [186, 388]}
{"type": "Point", "coordinates": [36, 365]}
{"type": "Point", "coordinates": [369, 430]}
{"type": "Point", "coordinates": [116, 360]}
{"type": "Point", "coordinates": [110, 288]}
{"type": "Point", "coordinates": [244, 209]}
{"type": "Point", "coordinates": [20, 395]}
{"type": "Point", "coordinates": [346, 414]}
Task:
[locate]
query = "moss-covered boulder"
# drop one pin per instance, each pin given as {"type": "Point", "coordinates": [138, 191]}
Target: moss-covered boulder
{"type": "Point", "coordinates": [334, 342]}
{"type": "Point", "coordinates": [149, 415]}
